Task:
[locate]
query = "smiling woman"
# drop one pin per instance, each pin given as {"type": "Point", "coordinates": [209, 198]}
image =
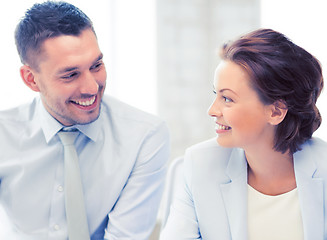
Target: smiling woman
{"type": "Point", "coordinates": [245, 116]}
{"type": "Point", "coordinates": [266, 168]}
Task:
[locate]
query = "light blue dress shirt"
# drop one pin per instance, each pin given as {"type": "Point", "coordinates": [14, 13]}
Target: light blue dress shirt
{"type": "Point", "coordinates": [122, 155]}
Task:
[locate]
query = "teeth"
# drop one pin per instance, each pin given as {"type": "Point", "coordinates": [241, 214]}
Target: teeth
{"type": "Point", "coordinates": [86, 103]}
{"type": "Point", "coordinates": [222, 127]}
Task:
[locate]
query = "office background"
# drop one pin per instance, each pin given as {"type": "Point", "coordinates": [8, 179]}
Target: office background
{"type": "Point", "coordinates": [161, 54]}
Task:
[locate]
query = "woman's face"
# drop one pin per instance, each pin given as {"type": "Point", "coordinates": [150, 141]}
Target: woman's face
{"type": "Point", "coordinates": [242, 119]}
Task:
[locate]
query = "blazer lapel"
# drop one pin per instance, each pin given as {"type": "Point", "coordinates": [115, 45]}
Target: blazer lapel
{"type": "Point", "coordinates": [310, 194]}
{"type": "Point", "coordinates": [235, 195]}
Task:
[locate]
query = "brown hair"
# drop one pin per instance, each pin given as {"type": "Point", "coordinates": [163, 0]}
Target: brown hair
{"type": "Point", "coordinates": [47, 20]}
{"type": "Point", "coordinates": [281, 71]}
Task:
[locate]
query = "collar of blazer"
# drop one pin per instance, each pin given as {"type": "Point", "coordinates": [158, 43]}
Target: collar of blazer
{"type": "Point", "coordinates": [309, 186]}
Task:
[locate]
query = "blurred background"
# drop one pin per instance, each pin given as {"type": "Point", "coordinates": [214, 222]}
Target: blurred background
{"type": "Point", "coordinates": [161, 54]}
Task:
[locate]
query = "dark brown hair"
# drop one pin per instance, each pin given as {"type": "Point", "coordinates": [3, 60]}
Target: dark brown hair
{"type": "Point", "coordinates": [281, 71]}
{"type": "Point", "coordinates": [47, 20]}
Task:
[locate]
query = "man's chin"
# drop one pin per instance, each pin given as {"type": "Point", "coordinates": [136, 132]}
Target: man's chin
{"type": "Point", "coordinates": [88, 121]}
{"type": "Point", "coordinates": [90, 118]}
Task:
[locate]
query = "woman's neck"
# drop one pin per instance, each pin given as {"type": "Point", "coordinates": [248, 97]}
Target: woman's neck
{"type": "Point", "coordinates": [270, 172]}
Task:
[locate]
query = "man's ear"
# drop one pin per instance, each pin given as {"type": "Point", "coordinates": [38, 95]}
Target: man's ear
{"type": "Point", "coordinates": [27, 74]}
{"type": "Point", "coordinates": [278, 111]}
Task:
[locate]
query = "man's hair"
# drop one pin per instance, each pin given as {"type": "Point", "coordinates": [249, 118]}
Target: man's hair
{"type": "Point", "coordinates": [281, 71]}
{"type": "Point", "coordinates": [47, 20]}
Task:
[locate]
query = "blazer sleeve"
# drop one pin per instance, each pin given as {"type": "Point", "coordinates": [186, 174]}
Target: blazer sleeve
{"type": "Point", "coordinates": [182, 222]}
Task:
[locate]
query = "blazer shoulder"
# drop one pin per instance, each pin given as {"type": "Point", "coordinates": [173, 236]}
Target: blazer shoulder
{"type": "Point", "coordinates": [208, 151]}
{"type": "Point", "coordinates": [316, 147]}
{"type": "Point", "coordinates": [207, 159]}
{"type": "Point", "coordinates": [312, 157]}
{"type": "Point", "coordinates": [318, 154]}
{"type": "Point", "coordinates": [318, 144]}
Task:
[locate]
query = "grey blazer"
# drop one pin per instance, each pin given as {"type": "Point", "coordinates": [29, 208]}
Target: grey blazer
{"type": "Point", "coordinates": [212, 204]}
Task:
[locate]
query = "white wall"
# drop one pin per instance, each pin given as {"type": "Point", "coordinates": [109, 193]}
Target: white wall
{"type": "Point", "coordinates": [304, 22]}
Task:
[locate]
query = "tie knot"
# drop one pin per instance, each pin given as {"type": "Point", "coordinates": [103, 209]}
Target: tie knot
{"type": "Point", "coordinates": [67, 138]}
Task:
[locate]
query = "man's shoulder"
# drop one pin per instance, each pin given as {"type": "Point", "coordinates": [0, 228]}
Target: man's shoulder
{"type": "Point", "coordinates": [15, 123]}
{"type": "Point", "coordinates": [117, 110]}
{"type": "Point", "coordinates": [19, 114]}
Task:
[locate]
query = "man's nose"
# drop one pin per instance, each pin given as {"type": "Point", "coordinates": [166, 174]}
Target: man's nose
{"type": "Point", "coordinates": [89, 84]}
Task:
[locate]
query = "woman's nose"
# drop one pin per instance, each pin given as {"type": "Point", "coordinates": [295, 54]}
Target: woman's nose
{"type": "Point", "coordinates": [214, 109]}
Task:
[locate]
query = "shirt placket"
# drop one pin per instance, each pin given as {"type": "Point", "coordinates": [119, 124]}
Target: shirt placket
{"type": "Point", "coordinates": [57, 219]}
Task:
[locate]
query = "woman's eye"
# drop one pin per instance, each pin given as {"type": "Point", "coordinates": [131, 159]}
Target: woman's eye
{"type": "Point", "coordinates": [227, 100]}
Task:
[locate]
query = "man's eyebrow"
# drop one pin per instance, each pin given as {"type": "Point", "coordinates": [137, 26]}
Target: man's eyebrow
{"type": "Point", "coordinates": [99, 58]}
{"type": "Point", "coordinates": [69, 69]}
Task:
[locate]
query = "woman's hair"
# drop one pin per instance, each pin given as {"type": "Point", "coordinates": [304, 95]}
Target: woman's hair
{"type": "Point", "coordinates": [47, 20]}
{"type": "Point", "coordinates": [283, 72]}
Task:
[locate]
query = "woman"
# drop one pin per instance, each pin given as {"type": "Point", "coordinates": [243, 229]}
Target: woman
{"type": "Point", "coordinates": [267, 177]}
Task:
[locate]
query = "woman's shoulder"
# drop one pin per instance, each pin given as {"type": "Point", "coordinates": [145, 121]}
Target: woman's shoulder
{"type": "Point", "coordinates": [312, 156]}
{"type": "Point", "coordinates": [207, 159]}
{"type": "Point", "coordinates": [207, 151]}
{"type": "Point", "coordinates": [318, 143]}
{"type": "Point", "coordinates": [315, 146]}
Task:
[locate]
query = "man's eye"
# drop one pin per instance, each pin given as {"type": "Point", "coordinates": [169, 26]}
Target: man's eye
{"type": "Point", "coordinates": [69, 76]}
{"type": "Point", "coordinates": [96, 66]}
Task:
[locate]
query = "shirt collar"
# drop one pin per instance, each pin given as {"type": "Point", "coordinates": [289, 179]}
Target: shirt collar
{"type": "Point", "coordinates": [91, 130]}
{"type": "Point", "coordinates": [51, 126]}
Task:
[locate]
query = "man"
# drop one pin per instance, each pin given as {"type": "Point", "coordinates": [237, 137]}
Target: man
{"type": "Point", "coordinates": [122, 152]}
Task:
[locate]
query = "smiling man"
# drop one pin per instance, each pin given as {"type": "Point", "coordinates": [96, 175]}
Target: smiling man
{"type": "Point", "coordinates": [121, 151]}
{"type": "Point", "coordinates": [71, 77]}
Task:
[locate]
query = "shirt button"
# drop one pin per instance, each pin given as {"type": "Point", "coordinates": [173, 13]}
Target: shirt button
{"type": "Point", "coordinates": [60, 188]}
{"type": "Point", "coordinates": [56, 227]}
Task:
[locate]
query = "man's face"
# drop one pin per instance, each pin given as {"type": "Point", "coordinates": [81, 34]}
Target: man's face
{"type": "Point", "coordinates": [71, 78]}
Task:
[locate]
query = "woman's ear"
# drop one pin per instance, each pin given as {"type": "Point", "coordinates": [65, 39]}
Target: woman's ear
{"type": "Point", "coordinates": [278, 111]}
{"type": "Point", "coordinates": [27, 74]}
